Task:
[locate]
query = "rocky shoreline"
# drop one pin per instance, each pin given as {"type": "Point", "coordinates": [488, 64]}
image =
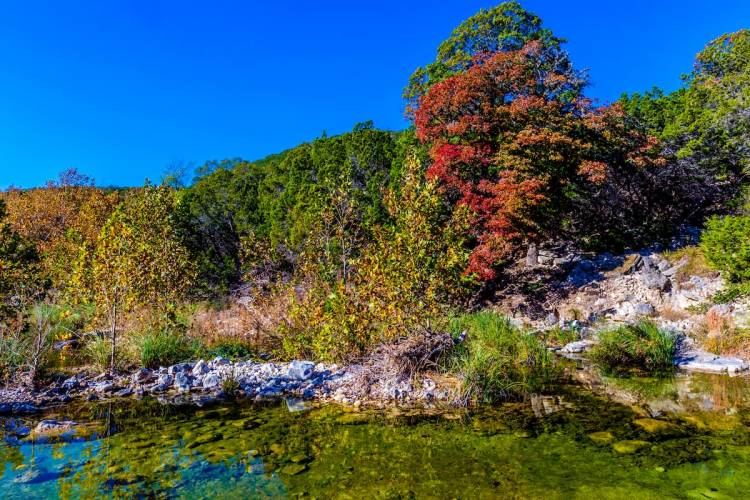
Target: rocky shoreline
{"type": "Point", "coordinates": [208, 382]}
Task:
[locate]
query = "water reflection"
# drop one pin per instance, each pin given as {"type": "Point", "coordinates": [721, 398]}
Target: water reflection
{"type": "Point", "coordinates": [647, 438]}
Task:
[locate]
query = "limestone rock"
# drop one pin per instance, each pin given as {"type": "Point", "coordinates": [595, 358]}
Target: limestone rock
{"type": "Point", "coordinates": [702, 361]}
{"type": "Point", "coordinates": [629, 446]}
{"type": "Point", "coordinates": [200, 368]}
{"type": "Point", "coordinates": [300, 370]}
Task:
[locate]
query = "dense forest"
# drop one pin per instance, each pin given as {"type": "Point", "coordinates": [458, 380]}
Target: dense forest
{"type": "Point", "coordinates": [329, 249]}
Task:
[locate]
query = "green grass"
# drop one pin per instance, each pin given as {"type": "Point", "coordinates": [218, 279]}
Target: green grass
{"type": "Point", "coordinates": [97, 351]}
{"type": "Point", "coordinates": [558, 337]}
{"type": "Point", "coordinates": [498, 361]}
{"type": "Point", "coordinates": [230, 349]}
{"type": "Point", "coordinates": [642, 346]}
{"type": "Point", "coordinates": [732, 292]}
{"type": "Point", "coordinates": [165, 348]}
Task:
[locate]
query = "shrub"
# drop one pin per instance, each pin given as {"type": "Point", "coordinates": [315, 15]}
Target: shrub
{"type": "Point", "coordinates": [13, 355]}
{"type": "Point", "coordinates": [411, 271]}
{"type": "Point", "coordinates": [643, 346]}
{"type": "Point", "coordinates": [230, 387]}
{"type": "Point", "coordinates": [498, 361]}
{"type": "Point", "coordinates": [726, 245]}
{"type": "Point", "coordinates": [25, 353]}
{"type": "Point", "coordinates": [230, 349]}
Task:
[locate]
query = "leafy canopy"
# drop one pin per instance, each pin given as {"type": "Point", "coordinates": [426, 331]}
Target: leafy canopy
{"type": "Point", "coordinates": [505, 27]}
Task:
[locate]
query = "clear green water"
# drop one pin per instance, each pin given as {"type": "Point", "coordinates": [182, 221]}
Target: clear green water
{"type": "Point", "coordinates": [573, 444]}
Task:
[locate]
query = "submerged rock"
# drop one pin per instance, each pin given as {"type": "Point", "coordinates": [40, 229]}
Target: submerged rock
{"type": "Point", "coordinates": [53, 428]}
{"type": "Point", "coordinates": [654, 426]}
{"type": "Point", "coordinates": [294, 469]}
{"type": "Point", "coordinates": [295, 405]}
{"type": "Point", "coordinates": [602, 437]}
{"type": "Point", "coordinates": [629, 446]}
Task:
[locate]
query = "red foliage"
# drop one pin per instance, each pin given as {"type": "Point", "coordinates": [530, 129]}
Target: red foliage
{"type": "Point", "coordinates": [511, 140]}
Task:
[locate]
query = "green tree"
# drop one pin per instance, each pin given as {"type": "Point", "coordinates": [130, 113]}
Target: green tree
{"type": "Point", "coordinates": [706, 123]}
{"type": "Point", "coordinates": [505, 27]}
{"type": "Point", "coordinates": [654, 109]}
{"type": "Point", "coordinates": [280, 200]}
{"type": "Point", "coordinates": [214, 214]}
{"type": "Point", "coordinates": [715, 120]}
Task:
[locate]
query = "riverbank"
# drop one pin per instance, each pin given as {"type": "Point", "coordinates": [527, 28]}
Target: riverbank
{"type": "Point", "coordinates": [220, 380]}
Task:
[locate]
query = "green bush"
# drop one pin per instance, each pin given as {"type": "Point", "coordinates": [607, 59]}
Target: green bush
{"type": "Point", "coordinates": [230, 387]}
{"type": "Point", "coordinates": [726, 245]}
{"type": "Point", "coordinates": [729, 294]}
{"type": "Point", "coordinates": [230, 349]}
{"type": "Point", "coordinates": [165, 348]}
{"type": "Point", "coordinates": [498, 361]}
{"type": "Point", "coordinates": [642, 346]}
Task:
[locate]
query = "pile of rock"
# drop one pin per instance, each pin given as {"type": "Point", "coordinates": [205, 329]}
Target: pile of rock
{"type": "Point", "coordinates": [203, 383]}
{"type": "Point", "coordinates": [623, 289]}
{"type": "Point", "coordinates": [626, 288]}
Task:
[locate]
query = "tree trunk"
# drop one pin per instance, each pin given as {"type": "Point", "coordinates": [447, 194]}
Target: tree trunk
{"type": "Point", "coordinates": [532, 255]}
{"type": "Point", "coordinates": [113, 334]}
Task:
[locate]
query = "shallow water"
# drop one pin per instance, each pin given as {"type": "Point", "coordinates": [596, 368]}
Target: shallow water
{"type": "Point", "coordinates": [687, 437]}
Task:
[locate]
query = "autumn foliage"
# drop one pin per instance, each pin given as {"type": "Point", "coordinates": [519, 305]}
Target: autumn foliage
{"type": "Point", "coordinates": [515, 141]}
{"type": "Point", "coordinates": [331, 247]}
{"type": "Point", "coordinates": [59, 217]}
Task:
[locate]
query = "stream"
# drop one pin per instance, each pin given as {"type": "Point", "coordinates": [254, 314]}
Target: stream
{"type": "Point", "coordinates": [594, 436]}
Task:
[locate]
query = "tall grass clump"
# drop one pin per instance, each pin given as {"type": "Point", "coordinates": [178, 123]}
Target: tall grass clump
{"type": "Point", "coordinates": [498, 361]}
{"type": "Point", "coordinates": [166, 347]}
{"type": "Point", "coordinates": [642, 346]}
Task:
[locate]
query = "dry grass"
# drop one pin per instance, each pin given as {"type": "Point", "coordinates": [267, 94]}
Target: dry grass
{"type": "Point", "coordinates": [403, 359]}
{"type": "Point", "coordinates": [720, 336]}
{"type": "Point", "coordinates": [627, 263]}
{"type": "Point", "coordinates": [672, 314]}
{"type": "Point", "coordinates": [696, 263]}
{"type": "Point", "coordinates": [255, 322]}
{"type": "Point", "coordinates": [730, 343]}
{"type": "Point", "coordinates": [718, 322]}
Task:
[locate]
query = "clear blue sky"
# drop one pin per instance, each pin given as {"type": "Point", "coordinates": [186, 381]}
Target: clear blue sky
{"type": "Point", "coordinates": [120, 89]}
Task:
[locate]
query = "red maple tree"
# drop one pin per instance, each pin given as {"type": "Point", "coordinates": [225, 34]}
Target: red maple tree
{"type": "Point", "coordinates": [512, 140]}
